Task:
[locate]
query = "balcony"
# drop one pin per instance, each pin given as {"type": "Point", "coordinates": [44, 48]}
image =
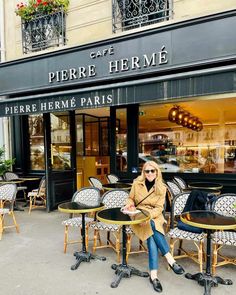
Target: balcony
{"type": "Point", "coordinates": [43, 32]}
{"type": "Point", "coordinates": [131, 14]}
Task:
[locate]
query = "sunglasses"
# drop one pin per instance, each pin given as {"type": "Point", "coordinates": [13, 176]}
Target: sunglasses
{"type": "Point", "coordinates": [151, 170]}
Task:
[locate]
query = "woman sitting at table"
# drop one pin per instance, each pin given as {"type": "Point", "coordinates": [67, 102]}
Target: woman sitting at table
{"type": "Point", "coordinates": [148, 192]}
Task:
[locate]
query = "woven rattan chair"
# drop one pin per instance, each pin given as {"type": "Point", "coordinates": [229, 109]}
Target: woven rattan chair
{"type": "Point", "coordinates": [84, 195]}
{"type": "Point", "coordinates": [112, 178]}
{"type": "Point", "coordinates": [7, 199]}
{"type": "Point", "coordinates": [111, 199]}
{"type": "Point", "coordinates": [177, 234]}
{"type": "Point", "coordinates": [95, 182]}
{"type": "Point", "coordinates": [13, 176]}
{"type": "Point", "coordinates": [224, 205]}
{"type": "Point", "coordinates": [181, 183]}
{"type": "Point", "coordinates": [37, 197]}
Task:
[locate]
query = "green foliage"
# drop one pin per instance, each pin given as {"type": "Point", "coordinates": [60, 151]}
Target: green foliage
{"type": "Point", "coordinates": [5, 165]}
{"type": "Point", "coordinates": [40, 7]}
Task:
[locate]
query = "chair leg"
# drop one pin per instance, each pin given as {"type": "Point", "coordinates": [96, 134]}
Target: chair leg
{"type": "Point", "coordinates": [118, 246]}
{"type": "Point", "coordinates": [95, 240]}
{"type": "Point", "coordinates": [200, 256]}
{"type": "Point", "coordinates": [128, 246]}
{"type": "Point", "coordinates": [30, 206]}
{"type": "Point", "coordinates": [66, 238]}
{"type": "Point", "coordinates": [14, 220]}
{"type": "Point", "coordinates": [214, 260]}
{"type": "Point", "coordinates": [1, 226]}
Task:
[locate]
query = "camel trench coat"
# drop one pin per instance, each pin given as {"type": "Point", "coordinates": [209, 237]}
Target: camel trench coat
{"type": "Point", "coordinates": [154, 204]}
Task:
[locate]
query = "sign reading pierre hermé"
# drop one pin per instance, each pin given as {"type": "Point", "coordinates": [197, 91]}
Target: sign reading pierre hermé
{"type": "Point", "coordinates": [127, 57]}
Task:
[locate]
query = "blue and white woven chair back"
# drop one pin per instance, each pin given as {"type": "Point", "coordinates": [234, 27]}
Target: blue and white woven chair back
{"type": "Point", "coordinates": [179, 203]}
{"type": "Point", "coordinates": [112, 178]}
{"type": "Point", "coordinates": [181, 183]}
{"type": "Point", "coordinates": [8, 192]}
{"type": "Point", "coordinates": [89, 196]}
{"type": "Point", "coordinates": [173, 188]}
{"type": "Point", "coordinates": [225, 205]}
{"type": "Point", "coordinates": [95, 182]}
{"type": "Point", "coordinates": [10, 175]}
{"type": "Point", "coordinates": [115, 198]}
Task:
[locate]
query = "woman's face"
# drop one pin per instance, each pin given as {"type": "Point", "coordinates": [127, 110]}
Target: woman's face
{"type": "Point", "coordinates": [150, 173]}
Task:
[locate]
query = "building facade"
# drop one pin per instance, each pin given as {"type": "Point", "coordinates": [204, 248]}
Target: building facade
{"type": "Point", "coordinates": [107, 85]}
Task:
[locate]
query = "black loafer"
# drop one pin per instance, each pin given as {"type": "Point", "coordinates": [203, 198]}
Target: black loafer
{"type": "Point", "coordinates": [178, 269]}
{"type": "Point", "coordinates": [156, 285]}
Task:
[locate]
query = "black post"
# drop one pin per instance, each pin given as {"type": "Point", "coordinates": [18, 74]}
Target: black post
{"type": "Point", "coordinates": [83, 233]}
{"type": "Point", "coordinates": [124, 263]}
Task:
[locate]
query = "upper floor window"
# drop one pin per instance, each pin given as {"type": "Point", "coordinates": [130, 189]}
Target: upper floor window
{"type": "Point", "coordinates": [43, 23]}
{"type": "Point", "coordinates": [131, 14]}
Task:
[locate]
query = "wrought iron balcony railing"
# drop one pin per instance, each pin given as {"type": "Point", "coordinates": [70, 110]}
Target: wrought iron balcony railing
{"type": "Point", "coordinates": [131, 14]}
{"type": "Point", "coordinates": [44, 31]}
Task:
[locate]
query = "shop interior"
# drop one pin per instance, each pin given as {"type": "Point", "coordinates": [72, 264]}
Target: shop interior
{"type": "Point", "coordinates": [174, 145]}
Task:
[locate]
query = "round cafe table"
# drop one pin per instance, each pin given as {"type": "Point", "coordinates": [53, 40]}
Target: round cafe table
{"type": "Point", "coordinates": [117, 185]}
{"type": "Point", "coordinates": [73, 207]}
{"type": "Point", "coordinates": [205, 185]}
{"type": "Point", "coordinates": [115, 216]}
{"type": "Point", "coordinates": [210, 221]}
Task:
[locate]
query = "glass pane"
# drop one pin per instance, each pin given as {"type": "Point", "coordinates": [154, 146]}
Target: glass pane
{"type": "Point", "coordinates": [104, 137]}
{"type": "Point", "coordinates": [36, 141]}
{"type": "Point", "coordinates": [79, 135]}
{"type": "Point", "coordinates": [60, 141]}
{"type": "Point", "coordinates": [91, 136]}
{"type": "Point", "coordinates": [179, 148]}
{"type": "Point", "coordinates": [121, 140]}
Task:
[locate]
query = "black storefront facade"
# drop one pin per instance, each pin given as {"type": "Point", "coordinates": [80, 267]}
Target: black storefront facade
{"type": "Point", "coordinates": [177, 62]}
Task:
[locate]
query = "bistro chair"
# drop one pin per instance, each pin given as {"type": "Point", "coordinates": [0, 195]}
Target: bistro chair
{"type": "Point", "coordinates": [177, 234]}
{"type": "Point", "coordinates": [172, 191]}
{"type": "Point", "coordinates": [112, 178]}
{"type": "Point", "coordinates": [95, 182]}
{"type": "Point", "coordinates": [7, 199]}
{"type": "Point", "coordinates": [180, 182]}
{"type": "Point", "coordinates": [9, 176]}
{"type": "Point", "coordinates": [84, 195]}
{"type": "Point", "coordinates": [37, 197]}
{"type": "Point", "coordinates": [224, 205]}
{"type": "Point", "coordinates": [111, 199]}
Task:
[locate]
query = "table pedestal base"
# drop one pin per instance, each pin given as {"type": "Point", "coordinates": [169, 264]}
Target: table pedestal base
{"type": "Point", "coordinates": [208, 281]}
{"type": "Point", "coordinates": [85, 257]}
{"type": "Point", "coordinates": [125, 271]}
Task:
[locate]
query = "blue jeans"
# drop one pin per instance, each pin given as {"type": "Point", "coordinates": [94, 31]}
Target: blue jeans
{"type": "Point", "coordinates": [156, 242]}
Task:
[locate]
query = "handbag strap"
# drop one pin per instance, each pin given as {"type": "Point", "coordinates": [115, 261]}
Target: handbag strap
{"type": "Point", "coordinates": [143, 199]}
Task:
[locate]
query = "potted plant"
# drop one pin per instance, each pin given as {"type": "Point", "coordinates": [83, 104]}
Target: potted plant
{"type": "Point", "coordinates": [35, 8]}
{"type": "Point", "coordinates": [5, 165]}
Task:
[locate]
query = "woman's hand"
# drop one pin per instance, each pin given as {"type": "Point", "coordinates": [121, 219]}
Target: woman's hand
{"type": "Point", "coordinates": [128, 208]}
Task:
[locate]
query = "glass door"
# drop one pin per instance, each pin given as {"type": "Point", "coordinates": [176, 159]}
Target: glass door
{"type": "Point", "coordinates": [60, 159]}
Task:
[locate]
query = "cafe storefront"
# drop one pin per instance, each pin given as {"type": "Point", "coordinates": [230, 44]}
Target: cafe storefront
{"type": "Point", "coordinates": [106, 107]}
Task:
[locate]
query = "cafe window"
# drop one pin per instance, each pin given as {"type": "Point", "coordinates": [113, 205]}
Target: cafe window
{"type": "Point", "coordinates": [178, 148]}
{"type": "Point", "coordinates": [36, 142]}
{"type": "Point", "coordinates": [60, 141]}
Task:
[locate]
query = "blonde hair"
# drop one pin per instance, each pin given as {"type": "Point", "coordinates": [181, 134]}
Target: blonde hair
{"type": "Point", "coordinates": [159, 184]}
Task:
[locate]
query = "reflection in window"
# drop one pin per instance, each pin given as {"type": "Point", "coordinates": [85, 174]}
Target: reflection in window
{"type": "Point", "coordinates": [180, 149]}
{"type": "Point", "coordinates": [36, 140]}
{"type": "Point", "coordinates": [60, 142]}
{"type": "Point", "coordinates": [130, 14]}
{"type": "Point", "coordinates": [121, 140]}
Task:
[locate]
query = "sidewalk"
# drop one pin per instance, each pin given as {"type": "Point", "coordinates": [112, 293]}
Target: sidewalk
{"type": "Point", "coordinates": [32, 263]}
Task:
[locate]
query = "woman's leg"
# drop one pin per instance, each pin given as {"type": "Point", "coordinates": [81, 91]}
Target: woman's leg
{"type": "Point", "coordinates": [160, 240]}
{"type": "Point", "coordinates": [152, 254]}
